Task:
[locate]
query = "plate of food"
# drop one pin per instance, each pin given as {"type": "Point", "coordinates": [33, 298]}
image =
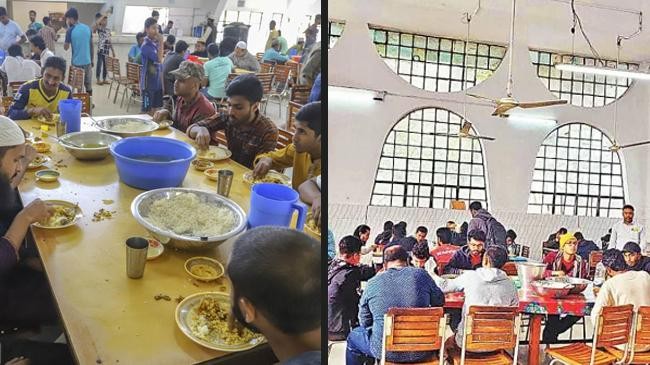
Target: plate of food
{"type": "Point", "coordinates": [202, 165]}
{"type": "Point", "coordinates": [273, 177]}
{"type": "Point", "coordinates": [311, 226]}
{"type": "Point", "coordinates": [50, 121]}
{"type": "Point", "coordinates": [65, 215]}
{"type": "Point", "coordinates": [206, 318]}
{"type": "Point", "coordinates": [38, 161]}
{"type": "Point", "coordinates": [213, 153]}
{"type": "Point", "coordinates": [41, 147]}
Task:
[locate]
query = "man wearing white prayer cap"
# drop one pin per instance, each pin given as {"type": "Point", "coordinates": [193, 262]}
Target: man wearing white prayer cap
{"type": "Point", "coordinates": [243, 59]}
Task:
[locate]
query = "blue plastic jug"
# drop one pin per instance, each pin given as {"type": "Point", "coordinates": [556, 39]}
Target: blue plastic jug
{"type": "Point", "coordinates": [273, 205]}
{"type": "Point", "coordinates": [70, 110]}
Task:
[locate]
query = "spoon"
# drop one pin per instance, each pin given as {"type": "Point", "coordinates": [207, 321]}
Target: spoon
{"type": "Point", "coordinates": [66, 142]}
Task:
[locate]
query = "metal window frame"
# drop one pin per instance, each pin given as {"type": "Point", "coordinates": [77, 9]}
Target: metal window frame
{"type": "Point", "coordinates": [333, 37]}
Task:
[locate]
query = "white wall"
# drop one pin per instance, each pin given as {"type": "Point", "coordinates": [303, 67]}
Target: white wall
{"type": "Point", "coordinates": [359, 125]}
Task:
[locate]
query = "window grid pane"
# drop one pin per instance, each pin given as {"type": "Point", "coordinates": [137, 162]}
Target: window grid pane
{"type": "Point", "coordinates": [439, 64]}
{"type": "Point", "coordinates": [585, 181]}
{"type": "Point", "coordinates": [580, 89]}
{"type": "Point", "coordinates": [416, 170]}
{"type": "Point", "coordinates": [335, 31]}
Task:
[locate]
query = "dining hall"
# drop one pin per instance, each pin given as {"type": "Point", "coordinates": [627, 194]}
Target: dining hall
{"type": "Point", "coordinates": [487, 184]}
{"type": "Point", "coordinates": [159, 161]}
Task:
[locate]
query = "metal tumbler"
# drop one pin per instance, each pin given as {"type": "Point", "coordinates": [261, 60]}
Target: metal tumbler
{"type": "Point", "coordinates": [224, 182]}
{"type": "Point", "coordinates": [136, 256]}
{"type": "Point", "coordinates": [60, 128]}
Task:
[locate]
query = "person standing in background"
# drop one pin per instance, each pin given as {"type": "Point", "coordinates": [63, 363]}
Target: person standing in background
{"type": "Point", "coordinates": [134, 52]}
{"type": "Point", "coordinates": [79, 36]}
{"type": "Point", "coordinates": [284, 46]}
{"type": "Point", "coordinates": [168, 28]}
{"type": "Point", "coordinates": [103, 46]}
{"type": "Point", "coordinates": [210, 32]}
{"type": "Point", "coordinates": [627, 231]}
{"type": "Point", "coordinates": [156, 15]}
{"type": "Point", "coordinates": [311, 33]}
{"type": "Point", "coordinates": [273, 34]}
{"type": "Point", "coordinates": [49, 34]}
{"type": "Point", "coordinates": [10, 31]}
{"type": "Point", "coordinates": [152, 56]}
{"type": "Point", "coordinates": [34, 25]}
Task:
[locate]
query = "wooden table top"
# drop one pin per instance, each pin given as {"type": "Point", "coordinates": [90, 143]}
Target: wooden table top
{"type": "Point", "coordinates": [107, 316]}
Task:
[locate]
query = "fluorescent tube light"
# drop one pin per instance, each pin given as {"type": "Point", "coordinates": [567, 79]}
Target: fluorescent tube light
{"type": "Point", "coordinates": [630, 74]}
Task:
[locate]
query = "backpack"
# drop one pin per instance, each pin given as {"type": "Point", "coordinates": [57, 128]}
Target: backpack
{"type": "Point", "coordinates": [496, 234]}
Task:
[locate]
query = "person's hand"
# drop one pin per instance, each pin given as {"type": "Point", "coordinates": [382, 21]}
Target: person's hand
{"type": "Point", "coordinates": [315, 210]}
{"type": "Point", "coordinates": [262, 168]}
{"type": "Point", "coordinates": [202, 137]}
{"type": "Point", "coordinates": [40, 111]}
{"type": "Point", "coordinates": [18, 361]}
{"type": "Point", "coordinates": [36, 211]}
{"type": "Point", "coordinates": [160, 115]}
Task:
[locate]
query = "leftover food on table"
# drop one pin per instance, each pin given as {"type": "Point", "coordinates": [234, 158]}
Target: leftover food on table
{"type": "Point", "coordinates": [211, 321]}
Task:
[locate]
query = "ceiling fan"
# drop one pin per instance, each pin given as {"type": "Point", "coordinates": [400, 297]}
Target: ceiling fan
{"type": "Point", "coordinates": [463, 133]}
{"type": "Point", "coordinates": [503, 105]}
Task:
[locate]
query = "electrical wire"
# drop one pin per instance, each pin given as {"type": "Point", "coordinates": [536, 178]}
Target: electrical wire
{"type": "Point", "coordinates": [576, 19]}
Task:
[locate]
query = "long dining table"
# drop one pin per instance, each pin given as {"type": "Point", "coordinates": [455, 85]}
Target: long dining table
{"type": "Point", "coordinates": [109, 318]}
{"type": "Point", "coordinates": [537, 307]}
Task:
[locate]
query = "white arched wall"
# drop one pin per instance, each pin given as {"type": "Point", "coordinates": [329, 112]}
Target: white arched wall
{"type": "Point", "coordinates": [358, 124]}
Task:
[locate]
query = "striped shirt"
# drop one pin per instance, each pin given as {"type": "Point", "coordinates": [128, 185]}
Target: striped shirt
{"type": "Point", "coordinates": [49, 36]}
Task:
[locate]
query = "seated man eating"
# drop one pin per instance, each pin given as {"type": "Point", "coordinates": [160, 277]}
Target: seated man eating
{"type": "Point", "coordinates": [191, 105]}
{"type": "Point", "coordinates": [469, 257]}
{"type": "Point", "coordinates": [41, 97]}
{"type": "Point", "coordinates": [304, 154]}
{"type": "Point", "coordinates": [248, 131]}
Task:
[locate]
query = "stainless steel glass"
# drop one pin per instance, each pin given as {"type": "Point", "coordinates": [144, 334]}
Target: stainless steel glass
{"type": "Point", "coordinates": [136, 256]}
{"type": "Point", "coordinates": [224, 182]}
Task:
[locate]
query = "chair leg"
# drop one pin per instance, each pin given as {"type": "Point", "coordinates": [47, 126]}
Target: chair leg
{"type": "Point", "coordinates": [117, 91]}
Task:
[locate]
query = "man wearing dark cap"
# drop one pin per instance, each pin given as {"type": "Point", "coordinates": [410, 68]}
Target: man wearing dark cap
{"type": "Point", "coordinates": [191, 105]}
{"type": "Point", "coordinates": [633, 258]}
{"type": "Point", "coordinates": [623, 287]}
{"type": "Point", "coordinates": [399, 286]}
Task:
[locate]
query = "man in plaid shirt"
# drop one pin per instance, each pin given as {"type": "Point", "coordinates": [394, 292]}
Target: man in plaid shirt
{"type": "Point", "coordinates": [249, 133]}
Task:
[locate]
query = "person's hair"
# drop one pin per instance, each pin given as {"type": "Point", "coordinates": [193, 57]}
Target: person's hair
{"type": "Point", "coordinates": [200, 42]}
{"type": "Point", "coordinates": [614, 259]}
{"type": "Point", "coordinates": [171, 39]}
{"type": "Point", "coordinates": [15, 50]}
{"type": "Point", "coordinates": [361, 229]}
{"type": "Point", "coordinates": [181, 46]}
{"type": "Point", "coordinates": [248, 86]}
{"type": "Point", "coordinates": [213, 50]}
{"type": "Point", "coordinates": [628, 206]}
{"type": "Point", "coordinates": [275, 43]}
{"type": "Point", "coordinates": [477, 235]}
{"type": "Point", "coordinates": [349, 245]}
{"type": "Point", "coordinates": [563, 230]}
{"type": "Point", "coordinates": [139, 35]}
{"type": "Point", "coordinates": [227, 46]}
{"type": "Point", "coordinates": [55, 62]}
{"type": "Point", "coordinates": [421, 250]}
{"type": "Point", "coordinates": [170, 22]}
{"type": "Point", "coordinates": [317, 17]}
{"type": "Point", "coordinates": [72, 13]}
{"type": "Point", "coordinates": [497, 255]}
{"type": "Point", "coordinates": [149, 22]}
{"type": "Point", "coordinates": [422, 229]}
{"type": "Point", "coordinates": [399, 231]}
{"type": "Point", "coordinates": [451, 222]}
{"type": "Point", "coordinates": [279, 32]}
{"type": "Point", "coordinates": [578, 236]}
{"type": "Point", "coordinates": [155, 13]}
{"type": "Point", "coordinates": [98, 15]}
{"type": "Point", "coordinates": [46, 20]}
{"type": "Point", "coordinates": [475, 206]}
{"type": "Point", "coordinates": [510, 233]}
{"type": "Point", "coordinates": [311, 114]}
{"type": "Point", "coordinates": [32, 12]}
{"type": "Point", "coordinates": [388, 226]}
{"type": "Point", "coordinates": [395, 253]}
{"type": "Point", "coordinates": [38, 41]}
{"type": "Point", "coordinates": [273, 23]}
{"type": "Point", "coordinates": [3, 11]}
{"type": "Point", "coordinates": [443, 234]}
{"type": "Point", "coordinates": [30, 33]}
{"type": "Point", "coordinates": [255, 274]}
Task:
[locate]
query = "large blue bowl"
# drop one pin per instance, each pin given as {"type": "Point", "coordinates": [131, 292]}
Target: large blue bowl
{"type": "Point", "coordinates": [152, 162]}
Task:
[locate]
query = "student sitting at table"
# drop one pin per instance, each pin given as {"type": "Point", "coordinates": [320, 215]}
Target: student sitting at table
{"type": "Point", "coordinates": [635, 261]}
{"type": "Point", "coordinates": [383, 238]}
{"type": "Point", "coordinates": [41, 97]}
{"type": "Point", "coordinates": [191, 106]}
{"type": "Point", "coordinates": [442, 250]}
{"type": "Point", "coordinates": [17, 67]}
{"type": "Point", "coordinates": [273, 54]}
{"type": "Point", "coordinates": [513, 247]}
{"type": "Point", "coordinates": [344, 277]}
{"type": "Point", "coordinates": [487, 285]}
{"type": "Point", "coordinates": [585, 247]}
{"type": "Point", "coordinates": [421, 258]}
{"type": "Point", "coordinates": [469, 257]}
{"type": "Point", "coordinates": [310, 194]}
{"type": "Point", "coordinates": [216, 73]}
{"type": "Point", "coordinates": [304, 154]}
{"type": "Point", "coordinates": [199, 50]}
{"type": "Point", "coordinates": [281, 302]}
{"type": "Point", "coordinates": [565, 262]}
{"type": "Point", "coordinates": [248, 131]}
{"type": "Point", "coordinates": [243, 59]}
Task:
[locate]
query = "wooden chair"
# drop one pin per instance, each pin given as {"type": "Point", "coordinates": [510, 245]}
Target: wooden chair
{"type": "Point", "coordinates": [76, 79]}
{"type": "Point", "coordinates": [285, 138]}
{"type": "Point", "coordinates": [85, 102]}
{"type": "Point", "coordinates": [15, 85]}
{"type": "Point", "coordinates": [295, 69]}
{"type": "Point", "coordinates": [267, 83]}
{"type": "Point", "coordinates": [640, 336]}
{"type": "Point", "coordinates": [300, 93]}
{"type": "Point", "coordinates": [113, 66]}
{"type": "Point", "coordinates": [510, 268]}
{"type": "Point", "coordinates": [414, 329]}
{"type": "Point", "coordinates": [265, 68]}
{"type": "Point", "coordinates": [525, 251]}
{"type": "Point", "coordinates": [594, 258]}
{"type": "Point", "coordinates": [6, 103]}
{"type": "Point", "coordinates": [291, 115]}
{"type": "Point", "coordinates": [613, 327]}
{"type": "Point", "coordinates": [489, 333]}
{"type": "Point", "coordinates": [259, 56]}
{"type": "Point", "coordinates": [133, 74]}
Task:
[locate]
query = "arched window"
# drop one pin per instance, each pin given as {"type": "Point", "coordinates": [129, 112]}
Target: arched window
{"type": "Point", "coordinates": [335, 30]}
{"type": "Point", "coordinates": [417, 169]}
{"type": "Point", "coordinates": [579, 89]}
{"type": "Point", "coordinates": [436, 63]}
{"type": "Point", "coordinates": [576, 174]}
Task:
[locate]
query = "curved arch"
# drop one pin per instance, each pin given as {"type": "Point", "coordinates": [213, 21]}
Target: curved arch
{"type": "Point", "coordinates": [576, 174]}
{"type": "Point", "coordinates": [335, 30]}
{"type": "Point", "coordinates": [580, 89]}
{"type": "Point", "coordinates": [436, 63]}
{"type": "Point", "coordinates": [417, 169]}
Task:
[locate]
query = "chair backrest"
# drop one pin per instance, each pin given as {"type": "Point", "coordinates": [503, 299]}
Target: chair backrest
{"type": "Point", "coordinates": [293, 110]}
{"type": "Point", "coordinates": [295, 68]}
{"type": "Point", "coordinates": [85, 102]}
{"type": "Point", "coordinates": [259, 56]}
{"type": "Point", "coordinates": [413, 329]}
{"type": "Point", "coordinates": [76, 79]}
{"type": "Point", "coordinates": [300, 94]}
{"type": "Point", "coordinates": [265, 68]}
{"type": "Point", "coordinates": [133, 72]}
{"type": "Point", "coordinates": [510, 268]}
{"type": "Point", "coordinates": [641, 335]}
{"type": "Point", "coordinates": [281, 73]}
{"type": "Point", "coordinates": [116, 67]}
{"type": "Point", "coordinates": [220, 136]}
{"type": "Point", "coordinates": [284, 139]}
{"type": "Point", "coordinates": [489, 328]}
{"type": "Point", "coordinates": [594, 258]}
{"type": "Point", "coordinates": [525, 251]}
{"type": "Point", "coordinates": [267, 82]}
{"type": "Point", "coordinates": [614, 326]}
{"type": "Point", "coordinates": [6, 103]}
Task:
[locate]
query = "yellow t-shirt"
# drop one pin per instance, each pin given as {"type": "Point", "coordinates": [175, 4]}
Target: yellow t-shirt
{"type": "Point", "coordinates": [303, 166]}
{"type": "Point", "coordinates": [31, 94]}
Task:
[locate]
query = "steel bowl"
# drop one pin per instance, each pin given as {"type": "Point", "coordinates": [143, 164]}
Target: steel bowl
{"type": "Point", "coordinates": [530, 271]}
{"type": "Point", "coordinates": [142, 203]}
{"type": "Point", "coordinates": [579, 285]}
{"type": "Point", "coordinates": [92, 145]}
{"type": "Point", "coordinates": [110, 125]}
{"type": "Point", "coordinates": [550, 288]}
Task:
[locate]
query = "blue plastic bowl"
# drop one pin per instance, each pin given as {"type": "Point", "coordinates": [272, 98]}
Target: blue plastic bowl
{"type": "Point", "coordinates": [152, 162]}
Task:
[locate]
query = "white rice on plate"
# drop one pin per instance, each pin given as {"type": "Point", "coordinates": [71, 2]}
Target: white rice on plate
{"type": "Point", "coordinates": [209, 322]}
{"type": "Point", "coordinates": [185, 214]}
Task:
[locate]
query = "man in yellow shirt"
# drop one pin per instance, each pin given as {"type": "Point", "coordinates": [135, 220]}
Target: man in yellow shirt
{"type": "Point", "coordinates": [304, 154]}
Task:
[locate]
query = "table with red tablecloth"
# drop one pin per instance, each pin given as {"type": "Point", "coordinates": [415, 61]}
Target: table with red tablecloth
{"type": "Point", "coordinates": [537, 307]}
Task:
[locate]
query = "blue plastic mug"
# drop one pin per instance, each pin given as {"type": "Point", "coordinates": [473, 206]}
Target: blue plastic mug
{"type": "Point", "coordinates": [273, 205]}
{"type": "Point", "coordinates": [70, 110]}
